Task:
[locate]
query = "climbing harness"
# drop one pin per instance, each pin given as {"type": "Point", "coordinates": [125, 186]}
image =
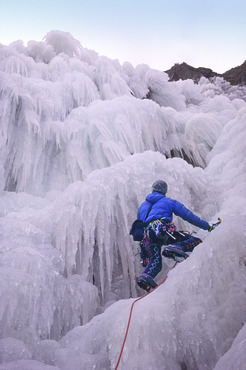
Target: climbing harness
{"type": "Point", "coordinates": [130, 315]}
{"type": "Point", "coordinates": [161, 228]}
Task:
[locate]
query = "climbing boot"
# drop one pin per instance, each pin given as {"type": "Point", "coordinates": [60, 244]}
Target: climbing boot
{"type": "Point", "coordinates": [175, 252]}
{"type": "Point", "coordinates": [146, 282]}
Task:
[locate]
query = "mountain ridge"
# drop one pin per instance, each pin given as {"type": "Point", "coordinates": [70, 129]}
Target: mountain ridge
{"type": "Point", "coordinates": [183, 71]}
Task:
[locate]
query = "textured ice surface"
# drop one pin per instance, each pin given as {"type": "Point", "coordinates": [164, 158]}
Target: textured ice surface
{"type": "Point", "coordinates": [82, 138]}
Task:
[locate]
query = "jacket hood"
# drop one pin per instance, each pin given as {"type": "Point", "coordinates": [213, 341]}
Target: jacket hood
{"type": "Point", "coordinates": [154, 197]}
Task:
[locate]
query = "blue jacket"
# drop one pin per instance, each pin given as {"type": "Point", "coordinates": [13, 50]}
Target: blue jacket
{"type": "Point", "coordinates": [165, 207]}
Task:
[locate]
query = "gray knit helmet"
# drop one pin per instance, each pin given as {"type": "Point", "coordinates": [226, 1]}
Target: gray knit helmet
{"type": "Point", "coordinates": [160, 186]}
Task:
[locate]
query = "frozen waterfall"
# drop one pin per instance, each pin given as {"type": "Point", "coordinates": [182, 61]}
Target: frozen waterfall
{"type": "Point", "coordinates": [82, 138]}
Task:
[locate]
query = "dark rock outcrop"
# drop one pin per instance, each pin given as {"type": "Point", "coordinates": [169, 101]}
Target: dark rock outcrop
{"type": "Point", "coordinates": [237, 75]}
{"type": "Point", "coordinates": [183, 71]}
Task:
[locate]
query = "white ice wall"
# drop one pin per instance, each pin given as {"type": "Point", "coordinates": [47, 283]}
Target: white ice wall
{"type": "Point", "coordinates": [82, 138]}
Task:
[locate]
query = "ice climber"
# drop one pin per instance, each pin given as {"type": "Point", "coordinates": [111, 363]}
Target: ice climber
{"type": "Point", "coordinates": [154, 228]}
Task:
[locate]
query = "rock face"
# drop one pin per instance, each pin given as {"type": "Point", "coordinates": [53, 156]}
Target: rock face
{"type": "Point", "coordinates": [237, 75]}
{"type": "Point", "coordinates": [183, 71]}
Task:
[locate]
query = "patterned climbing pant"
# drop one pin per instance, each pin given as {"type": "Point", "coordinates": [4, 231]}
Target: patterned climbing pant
{"type": "Point", "coordinates": [152, 250]}
{"type": "Point", "coordinates": [188, 243]}
{"type": "Point", "coordinates": [155, 260]}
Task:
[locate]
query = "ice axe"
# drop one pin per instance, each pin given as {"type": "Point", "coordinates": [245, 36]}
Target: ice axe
{"type": "Point", "coordinates": [214, 225]}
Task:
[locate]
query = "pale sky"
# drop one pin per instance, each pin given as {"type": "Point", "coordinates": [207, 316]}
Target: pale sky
{"type": "Point", "coordinates": [202, 33]}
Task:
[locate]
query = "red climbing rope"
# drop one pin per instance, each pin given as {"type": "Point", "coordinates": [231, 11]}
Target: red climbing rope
{"type": "Point", "coordinates": [130, 316]}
